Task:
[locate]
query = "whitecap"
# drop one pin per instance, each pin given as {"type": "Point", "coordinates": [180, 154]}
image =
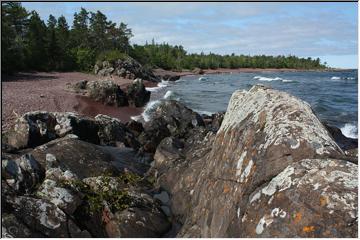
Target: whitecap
{"type": "Point", "coordinates": [287, 80]}
{"type": "Point", "coordinates": [202, 78]}
{"type": "Point", "coordinates": [335, 78]}
{"type": "Point", "coordinates": [150, 109]}
{"type": "Point", "coordinates": [204, 112]}
{"type": "Point", "coordinates": [159, 86]}
{"type": "Point", "coordinates": [260, 78]}
{"type": "Point", "coordinates": [349, 130]}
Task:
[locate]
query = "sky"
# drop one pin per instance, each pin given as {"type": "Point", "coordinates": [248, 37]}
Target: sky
{"type": "Point", "coordinates": [324, 30]}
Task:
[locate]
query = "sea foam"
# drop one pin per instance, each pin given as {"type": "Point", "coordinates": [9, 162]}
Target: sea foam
{"type": "Point", "coordinates": [267, 79]}
{"type": "Point", "coordinates": [159, 86]}
{"type": "Point", "coordinates": [349, 130]}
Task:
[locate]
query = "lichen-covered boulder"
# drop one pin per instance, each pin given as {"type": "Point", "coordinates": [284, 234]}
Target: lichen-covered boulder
{"type": "Point", "coordinates": [82, 158]}
{"type": "Point", "coordinates": [107, 92]}
{"type": "Point", "coordinates": [137, 95]}
{"type": "Point", "coordinates": [42, 216]}
{"type": "Point", "coordinates": [310, 198]}
{"type": "Point", "coordinates": [263, 132]}
{"type": "Point", "coordinates": [32, 129]}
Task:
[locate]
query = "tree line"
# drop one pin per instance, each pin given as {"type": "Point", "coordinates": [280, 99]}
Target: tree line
{"type": "Point", "coordinates": [29, 43]}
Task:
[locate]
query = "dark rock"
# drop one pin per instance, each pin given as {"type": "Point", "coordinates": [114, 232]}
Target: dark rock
{"type": "Point", "coordinates": [23, 174]}
{"type": "Point", "coordinates": [41, 216]}
{"type": "Point", "coordinates": [171, 78]}
{"type": "Point", "coordinates": [154, 132]}
{"type": "Point", "coordinates": [135, 127]}
{"type": "Point", "coordinates": [102, 130]}
{"type": "Point", "coordinates": [107, 92]}
{"type": "Point", "coordinates": [179, 118]}
{"type": "Point", "coordinates": [344, 142]}
{"type": "Point", "coordinates": [137, 95]}
{"type": "Point", "coordinates": [32, 129]}
{"type": "Point", "coordinates": [80, 86]}
{"type": "Point", "coordinates": [11, 227]}
{"type": "Point", "coordinates": [111, 131]}
{"type": "Point", "coordinates": [82, 158]}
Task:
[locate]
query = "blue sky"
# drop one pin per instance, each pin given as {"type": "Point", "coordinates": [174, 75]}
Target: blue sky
{"type": "Point", "coordinates": [325, 30]}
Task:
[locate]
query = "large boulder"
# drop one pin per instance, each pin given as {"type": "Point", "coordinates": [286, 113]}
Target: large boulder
{"type": "Point", "coordinates": [127, 68]}
{"type": "Point", "coordinates": [264, 131]}
{"type": "Point", "coordinates": [170, 118]}
{"type": "Point", "coordinates": [309, 198]}
{"type": "Point", "coordinates": [107, 92]}
{"type": "Point", "coordinates": [137, 95]}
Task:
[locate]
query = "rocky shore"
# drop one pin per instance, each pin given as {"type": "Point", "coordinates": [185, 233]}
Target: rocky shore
{"type": "Point", "coordinates": [266, 168]}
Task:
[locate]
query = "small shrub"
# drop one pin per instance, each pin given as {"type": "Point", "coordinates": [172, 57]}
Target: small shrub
{"type": "Point", "coordinates": [111, 56]}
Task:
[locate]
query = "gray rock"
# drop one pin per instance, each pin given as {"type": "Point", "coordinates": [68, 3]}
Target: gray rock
{"type": "Point", "coordinates": [163, 197]}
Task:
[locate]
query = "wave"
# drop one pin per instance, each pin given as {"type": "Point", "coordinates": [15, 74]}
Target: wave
{"type": "Point", "coordinates": [159, 86]}
{"type": "Point", "coordinates": [150, 109]}
{"type": "Point", "coordinates": [342, 78]}
{"type": "Point", "coordinates": [349, 130]}
{"type": "Point", "coordinates": [202, 78]}
{"type": "Point", "coordinates": [204, 112]}
{"type": "Point", "coordinates": [267, 79]}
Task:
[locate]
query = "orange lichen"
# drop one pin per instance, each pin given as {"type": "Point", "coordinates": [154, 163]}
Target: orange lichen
{"type": "Point", "coordinates": [308, 229]}
{"type": "Point", "coordinates": [323, 201]}
{"type": "Point", "coordinates": [226, 189]}
{"type": "Point", "coordinates": [298, 217]}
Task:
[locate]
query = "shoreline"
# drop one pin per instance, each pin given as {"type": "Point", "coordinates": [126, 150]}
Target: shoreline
{"type": "Point", "coordinates": [161, 72]}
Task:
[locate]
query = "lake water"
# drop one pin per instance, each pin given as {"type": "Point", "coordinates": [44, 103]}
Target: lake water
{"type": "Point", "coordinates": [332, 95]}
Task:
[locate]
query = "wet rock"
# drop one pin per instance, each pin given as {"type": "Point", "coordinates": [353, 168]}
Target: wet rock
{"type": "Point", "coordinates": [111, 131]}
{"type": "Point", "coordinates": [310, 198]}
{"type": "Point", "coordinates": [80, 86]}
{"type": "Point", "coordinates": [170, 118]}
{"type": "Point", "coordinates": [137, 95]}
{"type": "Point", "coordinates": [344, 142]}
{"type": "Point", "coordinates": [107, 92]}
{"type": "Point", "coordinates": [178, 117]}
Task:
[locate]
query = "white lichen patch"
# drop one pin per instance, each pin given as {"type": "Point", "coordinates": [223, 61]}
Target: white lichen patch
{"type": "Point", "coordinates": [289, 120]}
{"type": "Point", "coordinates": [49, 216]}
{"type": "Point", "coordinates": [264, 222]}
{"type": "Point", "coordinates": [244, 176]}
{"type": "Point", "coordinates": [240, 163]}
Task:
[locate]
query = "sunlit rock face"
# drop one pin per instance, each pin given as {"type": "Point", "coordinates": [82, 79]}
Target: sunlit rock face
{"type": "Point", "coordinates": [264, 135]}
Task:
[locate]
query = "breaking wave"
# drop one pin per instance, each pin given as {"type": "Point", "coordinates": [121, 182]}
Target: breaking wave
{"type": "Point", "coordinates": [267, 79]}
{"type": "Point", "coordinates": [349, 130]}
{"type": "Point", "coordinates": [160, 85]}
